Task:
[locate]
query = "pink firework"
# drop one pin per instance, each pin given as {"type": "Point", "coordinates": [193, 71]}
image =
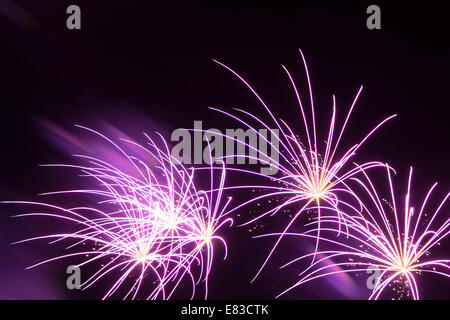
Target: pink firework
{"type": "Point", "coordinates": [395, 242]}
{"type": "Point", "coordinates": [309, 177]}
{"type": "Point", "coordinates": [151, 224]}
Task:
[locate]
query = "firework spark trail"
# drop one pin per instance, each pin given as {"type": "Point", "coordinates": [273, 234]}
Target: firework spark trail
{"type": "Point", "coordinates": [306, 177]}
{"type": "Point", "coordinates": [395, 243]}
{"type": "Point", "coordinates": [156, 221]}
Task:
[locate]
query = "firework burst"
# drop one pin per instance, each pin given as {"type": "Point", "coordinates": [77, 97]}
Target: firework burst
{"type": "Point", "coordinates": [309, 177]}
{"type": "Point", "coordinates": [151, 224]}
{"type": "Point", "coordinates": [396, 243]}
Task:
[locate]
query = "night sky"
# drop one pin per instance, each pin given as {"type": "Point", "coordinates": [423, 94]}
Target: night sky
{"type": "Point", "coordinates": [138, 60]}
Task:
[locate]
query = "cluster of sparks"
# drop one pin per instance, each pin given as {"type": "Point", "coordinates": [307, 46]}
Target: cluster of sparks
{"type": "Point", "coordinates": [381, 238]}
{"type": "Point", "coordinates": [307, 178]}
{"type": "Point", "coordinates": [322, 184]}
{"type": "Point", "coordinates": [152, 225]}
{"type": "Point", "coordinates": [158, 222]}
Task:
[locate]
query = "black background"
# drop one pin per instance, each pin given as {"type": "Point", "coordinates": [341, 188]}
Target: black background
{"type": "Point", "coordinates": [156, 60]}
